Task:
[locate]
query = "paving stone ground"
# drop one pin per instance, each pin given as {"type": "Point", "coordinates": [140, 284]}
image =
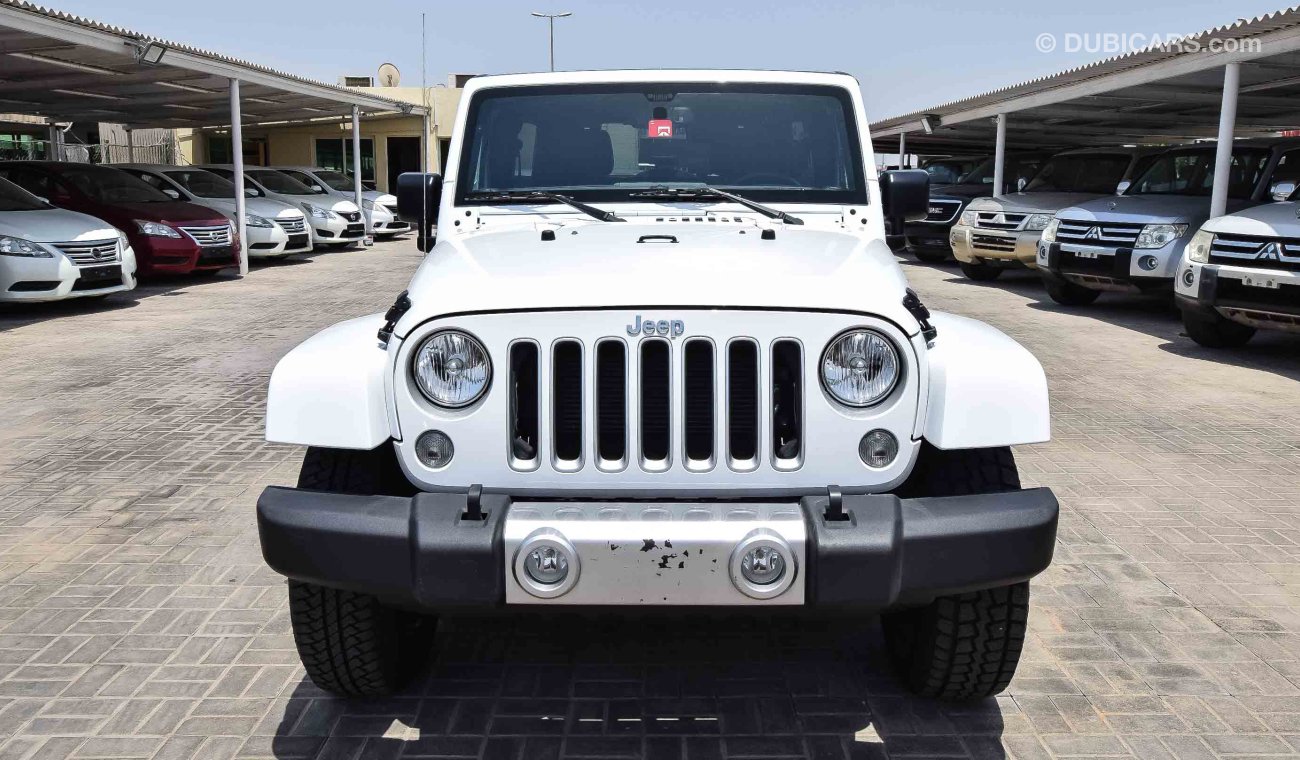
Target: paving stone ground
{"type": "Point", "coordinates": [137, 619]}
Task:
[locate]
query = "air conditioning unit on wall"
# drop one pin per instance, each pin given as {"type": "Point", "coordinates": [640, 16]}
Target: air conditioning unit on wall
{"type": "Point", "coordinates": [357, 81]}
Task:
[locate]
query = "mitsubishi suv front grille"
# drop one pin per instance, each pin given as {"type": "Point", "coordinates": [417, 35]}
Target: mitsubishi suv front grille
{"type": "Point", "coordinates": [1106, 234]}
{"type": "Point", "coordinates": [1252, 251]}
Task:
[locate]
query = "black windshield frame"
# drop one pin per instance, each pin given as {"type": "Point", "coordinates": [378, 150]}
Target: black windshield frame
{"type": "Point", "coordinates": [858, 195]}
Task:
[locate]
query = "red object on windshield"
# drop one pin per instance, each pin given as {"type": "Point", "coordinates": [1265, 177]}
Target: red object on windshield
{"type": "Point", "coordinates": [660, 128]}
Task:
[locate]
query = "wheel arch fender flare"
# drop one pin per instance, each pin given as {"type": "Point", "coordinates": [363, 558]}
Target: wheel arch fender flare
{"type": "Point", "coordinates": [329, 391]}
{"type": "Point", "coordinates": [985, 389]}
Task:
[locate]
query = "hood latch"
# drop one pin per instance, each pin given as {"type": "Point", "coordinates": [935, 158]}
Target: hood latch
{"type": "Point", "coordinates": [394, 313]}
{"type": "Point", "coordinates": [912, 302]}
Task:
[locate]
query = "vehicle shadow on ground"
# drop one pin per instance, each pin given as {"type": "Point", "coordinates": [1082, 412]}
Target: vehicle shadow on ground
{"type": "Point", "coordinates": [555, 686]}
{"type": "Point", "coordinates": [15, 315]}
{"type": "Point", "coordinates": [1272, 351]}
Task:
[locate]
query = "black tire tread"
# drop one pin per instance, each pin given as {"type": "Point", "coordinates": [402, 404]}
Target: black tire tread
{"type": "Point", "coordinates": [961, 472]}
{"type": "Point", "coordinates": [348, 642]}
{"type": "Point", "coordinates": [1071, 294]}
{"type": "Point", "coordinates": [980, 272]}
{"type": "Point", "coordinates": [1217, 333]}
{"type": "Point", "coordinates": [374, 472]}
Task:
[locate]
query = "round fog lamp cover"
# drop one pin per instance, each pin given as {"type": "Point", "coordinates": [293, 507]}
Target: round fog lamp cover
{"type": "Point", "coordinates": [878, 448]}
{"type": "Point", "coordinates": [546, 565]}
{"type": "Point", "coordinates": [434, 449]}
{"type": "Point", "coordinates": [763, 565]}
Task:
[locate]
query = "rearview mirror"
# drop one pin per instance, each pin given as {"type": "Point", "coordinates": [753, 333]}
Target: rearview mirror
{"type": "Point", "coordinates": [1020, 184]}
{"type": "Point", "coordinates": [418, 197]}
{"type": "Point", "coordinates": [1123, 187]}
{"type": "Point", "coordinates": [905, 194]}
{"type": "Point", "coordinates": [1282, 190]}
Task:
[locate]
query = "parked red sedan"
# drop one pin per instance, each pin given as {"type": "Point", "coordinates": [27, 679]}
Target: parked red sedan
{"type": "Point", "coordinates": [168, 236]}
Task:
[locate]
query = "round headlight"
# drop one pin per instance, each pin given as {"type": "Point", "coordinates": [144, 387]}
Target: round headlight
{"type": "Point", "coordinates": [860, 367]}
{"type": "Point", "coordinates": [452, 369]}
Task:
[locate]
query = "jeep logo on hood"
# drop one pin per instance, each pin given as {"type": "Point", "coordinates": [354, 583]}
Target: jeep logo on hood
{"type": "Point", "coordinates": [665, 327]}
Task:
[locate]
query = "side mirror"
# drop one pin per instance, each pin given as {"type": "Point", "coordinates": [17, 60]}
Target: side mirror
{"type": "Point", "coordinates": [1282, 190]}
{"type": "Point", "coordinates": [170, 193]}
{"type": "Point", "coordinates": [1020, 184]}
{"type": "Point", "coordinates": [317, 189]}
{"type": "Point", "coordinates": [418, 197]}
{"type": "Point", "coordinates": [905, 194]}
{"type": "Point", "coordinates": [1123, 187]}
{"type": "Point", "coordinates": [252, 192]}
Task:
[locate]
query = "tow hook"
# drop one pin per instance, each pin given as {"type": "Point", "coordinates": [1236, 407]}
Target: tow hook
{"type": "Point", "coordinates": [912, 302]}
{"type": "Point", "coordinates": [394, 313]}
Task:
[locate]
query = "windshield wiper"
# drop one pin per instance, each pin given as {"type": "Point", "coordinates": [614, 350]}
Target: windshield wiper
{"type": "Point", "coordinates": [537, 195]}
{"type": "Point", "coordinates": [704, 191]}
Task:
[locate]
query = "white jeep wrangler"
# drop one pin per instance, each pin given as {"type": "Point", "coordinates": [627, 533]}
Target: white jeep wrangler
{"type": "Point", "coordinates": [660, 356]}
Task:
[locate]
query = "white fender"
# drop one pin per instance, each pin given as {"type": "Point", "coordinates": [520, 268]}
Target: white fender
{"type": "Point", "coordinates": [329, 391]}
{"type": "Point", "coordinates": [985, 388]}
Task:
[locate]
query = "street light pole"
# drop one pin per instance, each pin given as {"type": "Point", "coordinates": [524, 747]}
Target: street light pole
{"type": "Point", "coordinates": [550, 20]}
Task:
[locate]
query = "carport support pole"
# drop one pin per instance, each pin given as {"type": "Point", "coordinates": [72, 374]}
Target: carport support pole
{"type": "Point", "coordinates": [237, 152]}
{"type": "Point", "coordinates": [1223, 152]}
{"type": "Point", "coordinates": [1000, 154]}
{"type": "Point", "coordinates": [55, 152]}
{"type": "Point", "coordinates": [130, 145]}
{"type": "Point", "coordinates": [902, 150]}
{"type": "Point", "coordinates": [356, 166]}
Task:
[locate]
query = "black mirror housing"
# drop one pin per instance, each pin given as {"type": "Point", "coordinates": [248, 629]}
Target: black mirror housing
{"type": "Point", "coordinates": [905, 194]}
{"type": "Point", "coordinates": [418, 197]}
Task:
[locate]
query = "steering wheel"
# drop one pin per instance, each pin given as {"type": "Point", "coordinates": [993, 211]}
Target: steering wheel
{"type": "Point", "coordinates": [781, 179]}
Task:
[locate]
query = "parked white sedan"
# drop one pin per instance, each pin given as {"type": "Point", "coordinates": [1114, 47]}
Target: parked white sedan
{"type": "Point", "coordinates": [380, 207]}
{"type": "Point", "coordinates": [48, 253]}
{"type": "Point", "coordinates": [333, 221]}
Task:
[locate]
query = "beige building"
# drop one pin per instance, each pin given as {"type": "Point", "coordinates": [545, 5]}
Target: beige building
{"type": "Point", "coordinates": [390, 144]}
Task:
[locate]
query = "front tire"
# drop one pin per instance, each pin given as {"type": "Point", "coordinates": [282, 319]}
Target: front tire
{"type": "Point", "coordinates": [962, 646]}
{"type": "Point", "coordinates": [1071, 294]}
{"type": "Point", "coordinates": [1217, 332]}
{"type": "Point", "coordinates": [352, 644]}
{"type": "Point", "coordinates": [980, 272]}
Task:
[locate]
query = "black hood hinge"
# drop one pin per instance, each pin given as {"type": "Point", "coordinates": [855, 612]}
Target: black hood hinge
{"type": "Point", "coordinates": [912, 302]}
{"type": "Point", "coordinates": [394, 313]}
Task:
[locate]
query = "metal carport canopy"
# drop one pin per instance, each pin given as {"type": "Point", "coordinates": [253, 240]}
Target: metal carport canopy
{"type": "Point", "coordinates": [69, 68]}
{"type": "Point", "coordinates": [1157, 95]}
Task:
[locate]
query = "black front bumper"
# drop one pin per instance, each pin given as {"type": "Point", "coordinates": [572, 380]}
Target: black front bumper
{"type": "Point", "coordinates": [423, 552]}
{"type": "Point", "coordinates": [929, 237]}
{"type": "Point", "coordinates": [1061, 263]}
{"type": "Point", "coordinates": [1214, 292]}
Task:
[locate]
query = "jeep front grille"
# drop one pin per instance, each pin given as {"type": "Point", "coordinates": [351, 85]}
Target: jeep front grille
{"type": "Point", "coordinates": [1110, 234]}
{"type": "Point", "coordinates": [647, 391]}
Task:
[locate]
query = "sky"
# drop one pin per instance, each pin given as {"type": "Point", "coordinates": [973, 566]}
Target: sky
{"type": "Point", "coordinates": [907, 54]}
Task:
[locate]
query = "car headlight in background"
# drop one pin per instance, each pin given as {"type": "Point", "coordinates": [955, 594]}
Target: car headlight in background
{"type": "Point", "coordinates": [1199, 249]}
{"type": "Point", "coordinates": [12, 246]}
{"type": "Point", "coordinates": [451, 369]}
{"type": "Point", "coordinates": [1037, 222]}
{"type": "Point", "coordinates": [253, 220]}
{"type": "Point", "coordinates": [123, 242]}
{"type": "Point", "coordinates": [860, 368]}
{"type": "Point", "coordinates": [1159, 235]}
{"type": "Point", "coordinates": [1049, 232]}
{"type": "Point", "coordinates": [968, 218]}
{"type": "Point", "coordinates": [155, 229]}
{"type": "Point", "coordinates": [316, 212]}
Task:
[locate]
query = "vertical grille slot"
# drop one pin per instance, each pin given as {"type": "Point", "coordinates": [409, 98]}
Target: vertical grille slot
{"type": "Point", "coordinates": [611, 402]}
{"type": "Point", "coordinates": [524, 392]}
{"type": "Point", "coordinates": [697, 386]}
{"type": "Point", "coordinates": [656, 412]}
{"type": "Point", "coordinates": [566, 400]}
{"type": "Point", "coordinates": [742, 403]}
{"type": "Point", "coordinates": [787, 403]}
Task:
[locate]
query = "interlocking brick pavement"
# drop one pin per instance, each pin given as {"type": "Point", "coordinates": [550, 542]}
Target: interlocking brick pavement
{"type": "Point", "coordinates": [137, 619]}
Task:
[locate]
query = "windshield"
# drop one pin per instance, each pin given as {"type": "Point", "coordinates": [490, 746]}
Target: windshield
{"type": "Point", "coordinates": [1098, 173]}
{"type": "Point", "coordinates": [14, 198]}
{"type": "Point", "coordinates": [1017, 168]}
{"type": "Point", "coordinates": [947, 172]}
{"type": "Point", "coordinates": [604, 142]}
{"type": "Point", "coordinates": [277, 182]}
{"type": "Point", "coordinates": [336, 180]}
{"type": "Point", "coordinates": [203, 184]}
{"type": "Point", "coordinates": [1191, 172]}
{"type": "Point", "coordinates": [112, 185]}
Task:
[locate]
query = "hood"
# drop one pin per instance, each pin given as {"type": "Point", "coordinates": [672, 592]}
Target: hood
{"type": "Point", "coordinates": [1147, 209]}
{"type": "Point", "coordinates": [1269, 220]}
{"type": "Point", "coordinates": [177, 212]}
{"type": "Point", "coordinates": [602, 265]}
{"type": "Point", "coordinates": [380, 197]}
{"type": "Point", "coordinates": [54, 225]}
{"type": "Point", "coordinates": [341, 206]}
{"type": "Point", "coordinates": [263, 207]}
{"type": "Point", "coordinates": [1048, 203]}
{"type": "Point", "coordinates": [965, 192]}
